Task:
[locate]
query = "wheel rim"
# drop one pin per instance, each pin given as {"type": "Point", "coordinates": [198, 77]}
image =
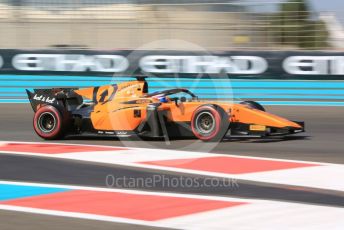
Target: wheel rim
{"type": "Point", "coordinates": [46, 122]}
{"type": "Point", "coordinates": [205, 123]}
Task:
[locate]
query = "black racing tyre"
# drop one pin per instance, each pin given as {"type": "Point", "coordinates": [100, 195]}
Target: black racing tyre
{"type": "Point", "coordinates": [209, 123]}
{"type": "Point", "coordinates": [48, 123]}
{"type": "Point", "coordinates": [253, 105]}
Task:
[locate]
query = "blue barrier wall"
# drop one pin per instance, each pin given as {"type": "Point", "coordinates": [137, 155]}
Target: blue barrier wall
{"type": "Point", "coordinates": [268, 92]}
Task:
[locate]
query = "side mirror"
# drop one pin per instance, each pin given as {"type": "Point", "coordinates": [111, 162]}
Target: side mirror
{"type": "Point", "coordinates": [183, 99]}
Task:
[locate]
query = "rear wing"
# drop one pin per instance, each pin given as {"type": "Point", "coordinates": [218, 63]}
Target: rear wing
{"type": "Point", "coordinates": [56, 97]}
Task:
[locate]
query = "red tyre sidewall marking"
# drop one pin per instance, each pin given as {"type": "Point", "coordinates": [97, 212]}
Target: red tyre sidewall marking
{"type": "Point", "coordinates": [217, 117]}
{"type": "Point", "coordinates": [57, 116]}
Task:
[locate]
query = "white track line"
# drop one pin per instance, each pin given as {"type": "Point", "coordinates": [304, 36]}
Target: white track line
{"type": "Point", "coordinates": [137, 192]}
{"type": "Point", "coordinates": [176, 153]}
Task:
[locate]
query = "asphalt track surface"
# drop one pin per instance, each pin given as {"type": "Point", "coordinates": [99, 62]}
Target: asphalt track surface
{"type": "Point", "coordinates": [322, 142]}
{"type": "Point", "coordinates": [17, 220]}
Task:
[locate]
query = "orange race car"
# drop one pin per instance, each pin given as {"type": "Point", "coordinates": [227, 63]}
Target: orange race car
{"type": "Point", "coordinates": [127, 109]}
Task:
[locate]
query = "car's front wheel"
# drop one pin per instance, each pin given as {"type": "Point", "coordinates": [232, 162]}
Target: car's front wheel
{"type": "Point", "coordinates": [48, 123]}
{"type": "Point", "coordinates": [209, 123]}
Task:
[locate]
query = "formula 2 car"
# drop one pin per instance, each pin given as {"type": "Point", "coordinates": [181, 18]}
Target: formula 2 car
{"type": "Point", "coordinates": [128, 109]}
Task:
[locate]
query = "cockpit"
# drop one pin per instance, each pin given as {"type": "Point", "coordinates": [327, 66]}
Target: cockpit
{"type": "Point", "coordinates": [176, 94]}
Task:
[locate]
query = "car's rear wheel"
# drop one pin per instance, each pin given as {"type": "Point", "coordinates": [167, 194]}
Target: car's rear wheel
{"type": "Point", "coordinates": [253, 105]}
{"type": "Point", "coordinates": [48, 123]}
{"type": "Point", "coordinates": [209, 123]}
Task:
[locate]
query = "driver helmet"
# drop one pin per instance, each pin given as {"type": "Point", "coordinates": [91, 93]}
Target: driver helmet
{"type": "Point", "coordinates": [163, 99]}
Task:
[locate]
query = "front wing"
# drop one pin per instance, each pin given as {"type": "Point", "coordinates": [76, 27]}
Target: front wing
{"type": "Point", "coordinates": [251, 130]}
